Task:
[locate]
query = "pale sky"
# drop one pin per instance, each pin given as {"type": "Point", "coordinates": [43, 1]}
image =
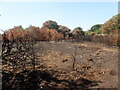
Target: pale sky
{"type": "Point", "coordinates": [70, 14]}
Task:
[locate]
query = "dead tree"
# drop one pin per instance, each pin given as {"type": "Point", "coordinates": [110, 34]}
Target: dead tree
{"type": "Point", "coordinates": [74, 55]}
{"type": "Point", "coordinates": [18, 52]}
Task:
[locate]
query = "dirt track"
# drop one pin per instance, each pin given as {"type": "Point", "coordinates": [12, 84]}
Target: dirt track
{"type": "Point", "coordinates": [94, 62]}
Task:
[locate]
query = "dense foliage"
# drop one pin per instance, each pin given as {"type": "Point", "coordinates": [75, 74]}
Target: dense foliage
{"type": "Point", "coordinates": [50, 24]}
{"type": "Point", "coordinates": [107, 32]}
{"type": "Point", "coordinates": [95, 29]}
{"type": "Point", "coordinates": [111, 26]}
{"type": "Point", "coordinates": [78, 31]}
{"type": "Point", "coordinates": [64, 30]}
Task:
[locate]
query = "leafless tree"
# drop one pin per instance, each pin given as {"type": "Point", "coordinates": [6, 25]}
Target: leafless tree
{"type": "Point", "coordinates": [18, 52]}
{"type": "Point", "coordinates": [74, 55]}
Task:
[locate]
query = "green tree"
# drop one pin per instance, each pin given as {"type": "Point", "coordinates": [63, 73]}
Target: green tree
{"type": "Point", "coordinates": [50, 24]}
{"type": "Point", "coordinates": [95, 28]}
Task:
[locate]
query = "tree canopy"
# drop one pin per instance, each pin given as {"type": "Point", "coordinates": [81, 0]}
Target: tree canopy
{"type": "Point", "coordinates": [50, 24]}
{"type": "Point", "coordinates": [78, 31]}
{"type": "Point", "coordinates": [111, 26]}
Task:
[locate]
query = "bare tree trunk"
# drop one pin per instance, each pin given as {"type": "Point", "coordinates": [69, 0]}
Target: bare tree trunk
{"type": "Point", "coordinates": [74, 57]}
